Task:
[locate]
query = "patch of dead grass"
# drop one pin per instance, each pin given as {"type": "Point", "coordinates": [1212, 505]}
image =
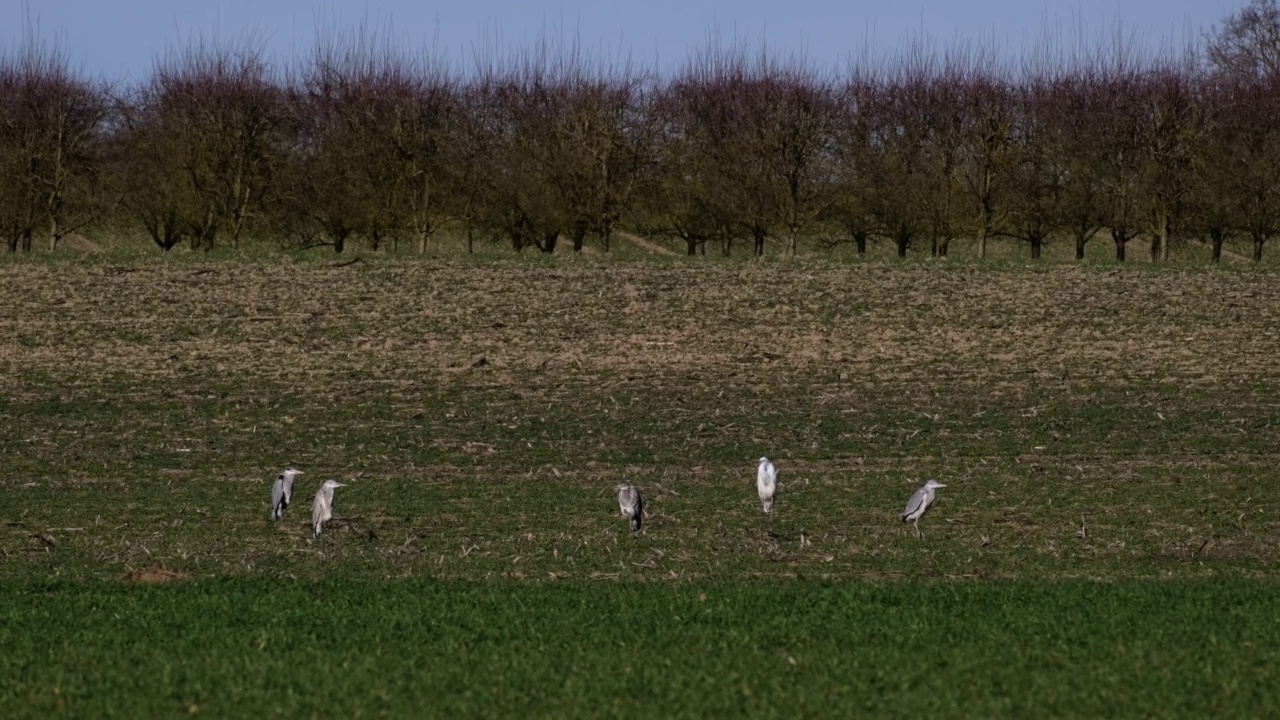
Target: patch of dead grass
{"type": "Point", "coordinates": [155, 575]}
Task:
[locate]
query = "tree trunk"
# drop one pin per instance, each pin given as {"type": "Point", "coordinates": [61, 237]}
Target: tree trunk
{"type": "Point", "coordinates": [943, 247]}
{"type": "Point", "coordinates": [339, 244]}
{"type": "Point", "coordinates": [1160, 243]}
{"type": "Point", "coordinates": [759, 235]}
{"type": "Point", "coordinates": [1258, 241]}
{"type": "Point", "coordinates": [471, 240]}
{"type": "Point", "coordinates": [207, 232]}
{"type": "Point", "coordinates": [1083, 234]}
{"type": "Point", "coordinates": [579, 234]}
{"type": "Point", "coordinates": [549, 242]}
{"type": "Point", "coordinates": [988, 211]}
{"type": "Point", "coordinates": [1216, 237]}
{"type": "Point", "coordinates": [240, 204]}
{"type": "Point", "coordinates": [691, 245]}
{"type": "Point", "coordinates": [933, 247]}
{"type": "Point", "coordinates": [1037, 243]}
{"type": "Point", "coordinates": [1121, 239]}
{"type": "Point", "coordinates": [860, 239]}
{"type": "Point", "coordinates": [793, 241]}
{"type": "Point", "coordinates": [901, 240]}
{"type": "Point", "coordinates": [424, 226]}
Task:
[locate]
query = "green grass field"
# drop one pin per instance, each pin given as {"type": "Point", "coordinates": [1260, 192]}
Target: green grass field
{"type": "Point", "coordinates": [411, 648]}
{"type": "Point", "coordinates": [1107, 543]}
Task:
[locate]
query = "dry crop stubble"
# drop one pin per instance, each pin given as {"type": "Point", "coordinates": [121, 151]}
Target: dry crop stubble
{"type": "Point", "coordinates": [1089, 423]}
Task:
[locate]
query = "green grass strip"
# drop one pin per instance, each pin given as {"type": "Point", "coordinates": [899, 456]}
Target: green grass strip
{"type": "Point", "coordinates": [261, 648]}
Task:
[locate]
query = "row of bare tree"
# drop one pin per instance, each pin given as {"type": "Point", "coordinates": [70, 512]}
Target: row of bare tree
{"type": "Point", "coordinates": [364, 143]}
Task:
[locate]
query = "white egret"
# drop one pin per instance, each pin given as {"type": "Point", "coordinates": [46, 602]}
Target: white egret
{"type": "Point", "coordinates": [282, 491]}
{"type": "Point", "coordinates": [631, 505]}
{"type": "Point", "coordinates": [767, 484]}
{"type": "Point", "coordinates": [919, 504]}
{"type": "Point", "coordinates": [322, 508]}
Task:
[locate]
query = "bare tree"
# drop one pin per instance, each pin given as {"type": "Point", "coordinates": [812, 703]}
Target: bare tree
{"type": "Point", "coordinates": [1073, 118]}
{"type": "Point", "coordinates": [1245, 56]}
{"type": "Point", "coordinates": [1034, 197]}
{"type": "Point", "coordinates": [154, 189]}
{"type": "Point", "coordinates": [572, 140]}
{"type": "Point", "coordinates": [855, 160]}
{"type": "Point", "coordinates": [374, 125]}
{"type": "Point", "coordinates": [330, 185]}
{"type": "Point", "coordinates": [219, 116]}
{"type": "Point", "coordinates": [1254, 153]}
{"type": "Point", "coordinates": [945, 202]}
{"type": "Point", "coordinates": [1117, 134]}
{"type": "Point", "coordinates": [1172, 126]}
{"type": "Point", "coordinates": [797, 115]}
{"type": "Point", "coordinates": [901, 158]}
{"type": "Point", "coordinates": [53, 123]}
{"type": "Point", "coordinates": [1210, 207]}
{"type": "Point", "coordinates": [368, 142]}
{"type": "Point", "coordinates": [681, 202]}
{"type": "Point", "coordinates": [987, 132]}
{"type": "Point", "coordinates": [418, 125]}
{"type": "Point", "coordinates": [471, 157]}
{"type": "Point", "coordinates": [525, 199]}
{"type": "Point", "coordinates": [698, 196]}
{"type": "Point", "coordinates": [607, 146]}
{"type": "Point", "coordinates": [762, 130]}
{"type": "Point", "coordinates": [1247, 45]}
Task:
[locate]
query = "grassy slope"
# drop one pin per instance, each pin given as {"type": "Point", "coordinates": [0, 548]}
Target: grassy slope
{"type": "Point", "coordinates": [411, 648]}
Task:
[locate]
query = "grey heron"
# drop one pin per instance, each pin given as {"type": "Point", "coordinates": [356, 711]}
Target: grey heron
{"type": "Point", "coordinates": [282, 491]}
{"type": "Point", "coordinates": [322, 508]}
{"type": "Point", "coordinates": [919, 504]}
{"type": "Point", "coordinates": [631, 505]}
{"type": "Point", "coordinates": [767, 484]}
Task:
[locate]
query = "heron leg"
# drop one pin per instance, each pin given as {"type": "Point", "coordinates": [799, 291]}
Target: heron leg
{"type": "Point", "coordinates": [919, 535]}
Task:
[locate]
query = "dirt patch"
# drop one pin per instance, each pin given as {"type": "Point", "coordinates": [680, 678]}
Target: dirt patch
{"type": "Point", "coordinates": [151, 576]}
{"type": "Point", "coordinates": [644, 244]}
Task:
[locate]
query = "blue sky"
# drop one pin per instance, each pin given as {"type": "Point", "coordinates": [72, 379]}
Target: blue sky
{"type": "Point", "coordinates": [119, 39]}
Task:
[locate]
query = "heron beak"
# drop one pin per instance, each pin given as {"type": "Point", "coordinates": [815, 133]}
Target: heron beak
{"type": "Point", "coordinates": [939, 485]}
{"type": "Point", "coordinates": [298, 472]}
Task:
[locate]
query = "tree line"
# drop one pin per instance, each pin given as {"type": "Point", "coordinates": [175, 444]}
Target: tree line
{"type": "Point", "coordinates": [364, 142]}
